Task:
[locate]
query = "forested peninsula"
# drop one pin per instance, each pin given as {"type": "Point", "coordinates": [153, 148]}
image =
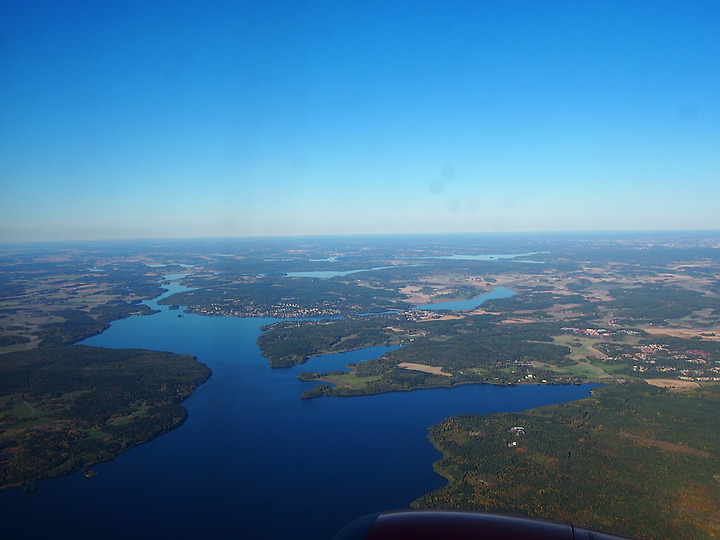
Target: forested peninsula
{"type": "Point", "coordinates": [66, 408]}
{"type": "Point", "coordinates": [633, 459]}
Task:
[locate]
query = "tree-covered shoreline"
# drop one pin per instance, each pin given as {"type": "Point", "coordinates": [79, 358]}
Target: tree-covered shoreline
{"type": "Point", "coordinates": [65, 408]}
{"type": "Point", "coordinates": [633, 459]}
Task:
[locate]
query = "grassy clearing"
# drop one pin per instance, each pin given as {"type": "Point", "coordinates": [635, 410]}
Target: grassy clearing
{"type": "Point", "coordinates": [31, 424]}
{"type": "Point", "coordinates": [139, 412]}
{"type": "Point", "coordinates": [703, 318]}
{"type": "Point", "coordinates": [48, 319]}
{"type": "Point", "coordinates": [585, 369]}
{"type": "Point", "coordinates": [613, 369]}
{"type": "Point", "coordinates": [352, 380]}
{"type": "Point", "coordinates": [14, 348]}
{"type": "Point", "coordinates": [346, 338]}
{"type": "Point", "coordinates": [71, 395]}
{"type": "Point", "coordinates": [22, 410]}
{"type": "Point", "coordinates": [584, 350]}
{"type": "Point", "coordinates": [24, 415]}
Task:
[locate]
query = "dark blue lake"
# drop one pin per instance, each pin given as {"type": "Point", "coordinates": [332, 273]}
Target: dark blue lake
{"type": "Point", "coordinates": [253, 461]}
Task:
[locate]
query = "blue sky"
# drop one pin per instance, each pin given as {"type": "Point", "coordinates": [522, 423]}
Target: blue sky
{"type": "Point", "coordinates": [191, 119]}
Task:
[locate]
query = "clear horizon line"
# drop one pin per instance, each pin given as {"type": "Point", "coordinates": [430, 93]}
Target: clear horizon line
{"type": "Point", "coordinates": [360, 235]}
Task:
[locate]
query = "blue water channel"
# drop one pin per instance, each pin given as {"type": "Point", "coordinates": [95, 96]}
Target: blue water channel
{"type": "Point", "coordinates": [253, 461]}
{"type": "Point", "coordinates": [471, 303]}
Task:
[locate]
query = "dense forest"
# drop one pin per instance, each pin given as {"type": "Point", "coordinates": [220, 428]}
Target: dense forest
{"type": "Point", "coordinates": [64, 408]}
{"type": "Point", "coordinates": [632, 459]}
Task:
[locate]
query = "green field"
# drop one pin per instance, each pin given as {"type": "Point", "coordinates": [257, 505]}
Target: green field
{"type": "Point", "coordinates": [352, 380]}
{"type": "Point", "coordinates": [579, 352]}
{"type": "Point", "coordinates": [585, 369]}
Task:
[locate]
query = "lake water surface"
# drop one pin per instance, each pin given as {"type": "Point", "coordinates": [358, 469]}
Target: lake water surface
{"type": "Point", "coordinates": [471, 303]}
{"type": "Point", "coordinates": [253, 461]}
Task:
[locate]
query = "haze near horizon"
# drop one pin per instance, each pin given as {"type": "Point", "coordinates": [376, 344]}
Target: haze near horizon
{"type": "Point", "coordinates": [135, 120]}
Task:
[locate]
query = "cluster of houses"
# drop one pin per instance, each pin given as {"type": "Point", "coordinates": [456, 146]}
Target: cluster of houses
{"type": "Point", "coordinates": [515, 430]}
{"type": "Point", "coordinates": [279, 310]}
{"type": "Point", "coordinates": [590, 332]}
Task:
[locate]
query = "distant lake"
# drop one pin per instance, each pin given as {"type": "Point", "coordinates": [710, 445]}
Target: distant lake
{"type": "Point", "coordinates": [472, 303]}
{"type": "Point", "coordinates": [253, 460]}
{"type": "Point", "coordinates": [499, 257]}
{"type": "Point", "coordinates": [336, 273]}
